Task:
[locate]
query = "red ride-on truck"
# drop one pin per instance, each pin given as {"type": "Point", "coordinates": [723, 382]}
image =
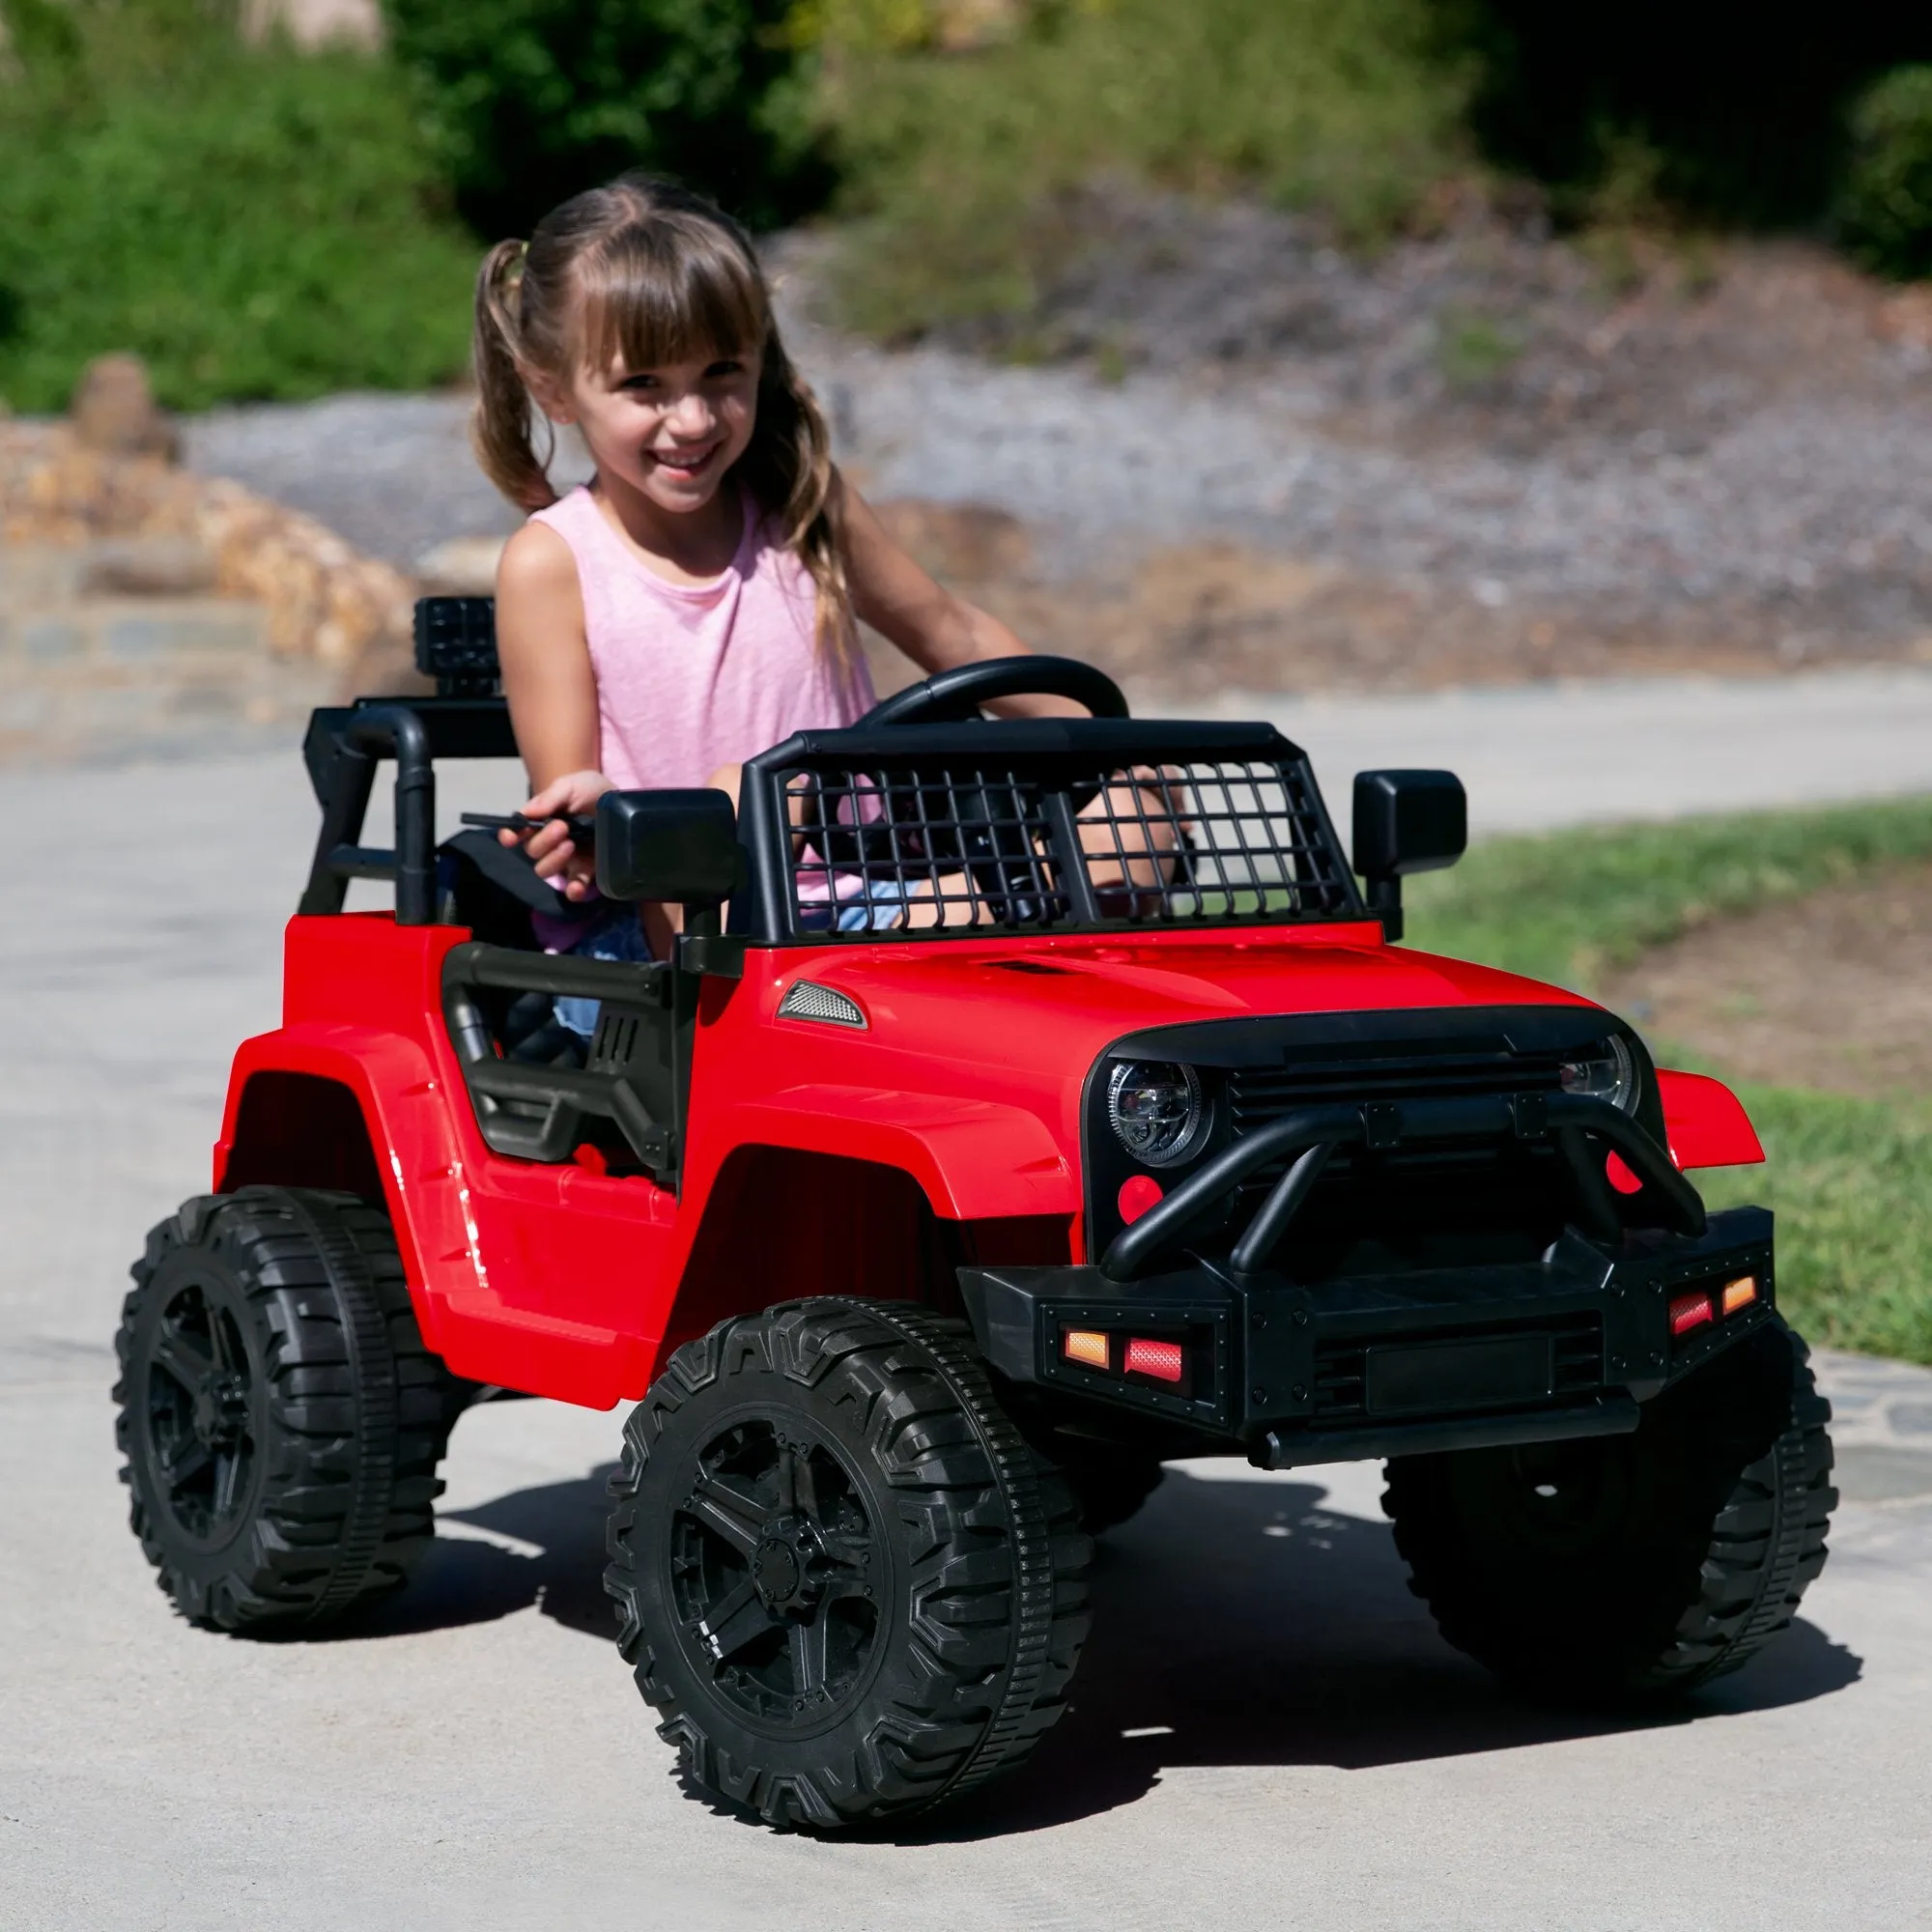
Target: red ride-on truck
{"type": "Point", "coordinates": [1025, 1102]}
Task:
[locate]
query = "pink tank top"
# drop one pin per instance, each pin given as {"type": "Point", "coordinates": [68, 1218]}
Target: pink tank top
{"type": "Point", "coordinates": [692, 676]}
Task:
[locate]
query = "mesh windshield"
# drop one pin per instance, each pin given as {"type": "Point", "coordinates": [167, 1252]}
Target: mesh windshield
{"type": "Point", "coordinates": [954, 844]}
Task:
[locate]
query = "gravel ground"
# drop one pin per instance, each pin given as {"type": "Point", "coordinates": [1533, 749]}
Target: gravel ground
{"type": "Point", "coordinates": [394, 474]}
{"type": "Point", "coordinates": [1480, 423]}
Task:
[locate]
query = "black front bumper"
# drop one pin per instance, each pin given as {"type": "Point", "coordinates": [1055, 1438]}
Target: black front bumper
{"type": "Point", "coordinates": [1387, 1365]}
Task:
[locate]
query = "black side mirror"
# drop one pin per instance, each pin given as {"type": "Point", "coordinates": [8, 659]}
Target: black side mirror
{"type": "Point", "coordinates": [1406, 822]}
{"type": "Point", "coordinates": [678, 846]}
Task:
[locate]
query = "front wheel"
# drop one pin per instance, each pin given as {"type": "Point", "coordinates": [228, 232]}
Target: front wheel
{"type": "Point", "coordinates": [845, 1582]}
{"type": "Point", "coordinates": [1634, 1566]}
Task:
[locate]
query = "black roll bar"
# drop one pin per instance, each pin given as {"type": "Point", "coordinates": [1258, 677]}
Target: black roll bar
{"type": "Point", "coordinates": [1313, 1133]}
{"type": "Point", "coordinates": [351, 750]}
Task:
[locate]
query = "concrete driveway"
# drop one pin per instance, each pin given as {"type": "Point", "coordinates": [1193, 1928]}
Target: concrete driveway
{"type": "Point", "coordinates": [1266, 1730]}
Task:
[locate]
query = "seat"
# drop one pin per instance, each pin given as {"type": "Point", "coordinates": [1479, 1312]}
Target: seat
{"type": "Point", "coordinates": [494, 889]}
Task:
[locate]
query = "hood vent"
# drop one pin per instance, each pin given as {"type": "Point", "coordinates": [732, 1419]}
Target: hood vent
{"type": "Point", "coordinates": [803, 1000]}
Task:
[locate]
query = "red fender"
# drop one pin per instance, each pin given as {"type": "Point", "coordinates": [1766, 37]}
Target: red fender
{"type": "Point", "coordinates": [976, 1159]}
{"type": "Point", "coordinates": [1706, 1123]}
{"type": "Point", "coordinates": [394, 1083]}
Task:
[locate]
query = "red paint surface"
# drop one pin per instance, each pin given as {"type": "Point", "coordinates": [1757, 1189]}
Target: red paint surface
{"type": "Point", "coordinates": [818, 1159]}
{"type": "Point", "coordinates": [1706, 1123]}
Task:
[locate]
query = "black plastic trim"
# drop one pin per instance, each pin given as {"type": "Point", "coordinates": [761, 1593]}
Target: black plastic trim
{"type": "Point", "coordinates": [1489, 1116]}
{"type": "Point", "coordinates": [956, 696]}
{"type": "Point", "coordinates": [1294, 1449]}
{"type": "Point", "coordinates": [1607, 1315]}
{"type": "Point", "coordinates": [1403, 1043]}
{"type": "Point", "coordinates": [341, 751]}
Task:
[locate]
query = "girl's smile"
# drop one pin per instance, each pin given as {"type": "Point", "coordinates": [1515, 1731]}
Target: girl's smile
{"type": "Point", "coordinates": [685, 464]}
{"type": "Point", "coordinates": [663, 438]}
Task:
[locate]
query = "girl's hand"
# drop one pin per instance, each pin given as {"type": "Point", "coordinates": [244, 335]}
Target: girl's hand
{"type": "Point", "coordinates": [550, 847]}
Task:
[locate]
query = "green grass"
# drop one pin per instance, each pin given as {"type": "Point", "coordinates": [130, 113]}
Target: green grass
{"type": "Point", "coordinates": [1848, 1182]}
{"type": "Point", "coordinates": [960, 170]}
{"type": "Point", "coordinates": [1570, 906]}
{"type": "Point", "coordinates": [1847, 1177]}
{"type": "Point", "coordinates": [253, 222]}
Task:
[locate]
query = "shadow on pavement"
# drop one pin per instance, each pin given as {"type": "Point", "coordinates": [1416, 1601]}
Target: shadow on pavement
{"type": "Point", "coordinates": [542, 1547]}
{"type": "Point", "coordinates": [1236, 1623]}
{"type": "Point", "coordinates": [1240, 1623]}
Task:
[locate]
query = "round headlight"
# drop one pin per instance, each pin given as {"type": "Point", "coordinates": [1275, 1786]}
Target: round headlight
{"type": "Point", "coordinates": [1155, 1109]}
{"type": "Point", "coordinates": [1606, 1073]}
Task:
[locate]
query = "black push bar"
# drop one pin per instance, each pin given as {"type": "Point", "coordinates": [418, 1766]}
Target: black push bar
{"type": "Point", "coordinates": [1313, 1133]}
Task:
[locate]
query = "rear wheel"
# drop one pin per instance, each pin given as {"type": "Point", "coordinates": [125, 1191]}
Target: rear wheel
{"type": "Point", "coordinates": [279, 1416]}
{"type": "Point", "coordinates": [1635, 1565]}
{"type": "Point", "coordinates": [846, 1584]}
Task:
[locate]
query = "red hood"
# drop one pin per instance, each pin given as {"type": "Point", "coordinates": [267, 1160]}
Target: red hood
{"type": "Point", "coordinates": [971, 1066]}
{"type": "Point", "coordinates": [1048, 1008]}
{"type": "Point", "coordinates": [1053, 1005]}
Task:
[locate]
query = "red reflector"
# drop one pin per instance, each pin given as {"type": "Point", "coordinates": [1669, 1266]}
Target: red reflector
{"type": "Point", "coordinates": [1138, 1193]}
{"type": "Point", "coordinates": [1164, 1361]}
{"type": "Point", "coordinates": [1620, 1177]}
{"type": "Point", "coordinates": [1087, 1345]}
{"type": "Point", "coordinates": [1688, 1312]}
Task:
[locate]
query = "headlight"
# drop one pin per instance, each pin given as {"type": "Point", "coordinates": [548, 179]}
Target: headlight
{"type": "Point", "coordinates": [1607, 1073]}
{"type": "Point", "coordinates": [1155, 1108]}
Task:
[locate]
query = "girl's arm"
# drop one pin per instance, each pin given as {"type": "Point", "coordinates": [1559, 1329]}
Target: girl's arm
{"type": "Point", "coordinates": [553, 696]}
{"type": "Point", "coordinates": [935, 629]}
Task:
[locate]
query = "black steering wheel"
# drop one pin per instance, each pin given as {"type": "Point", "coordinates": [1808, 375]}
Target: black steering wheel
{"type": "Point", "coordinates": [952, 697]}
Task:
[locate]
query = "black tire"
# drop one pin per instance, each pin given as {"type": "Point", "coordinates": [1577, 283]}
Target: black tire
{"type": "Point", "coordinates": [1636, 1567]}
{"type": "Point", "coordinates": [281, 1418]}
{"type": "Point", "coordinates": [894, 1585]}
{"type": "Point", "coordinates": [1109, 1482]}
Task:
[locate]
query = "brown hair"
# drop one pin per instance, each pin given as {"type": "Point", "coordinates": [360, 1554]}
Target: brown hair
{"type": "Point", "coordinates": [647, 269]}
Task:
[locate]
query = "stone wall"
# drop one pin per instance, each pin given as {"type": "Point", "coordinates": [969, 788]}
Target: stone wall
{"type": "Point", "coordinates": [136, 598]}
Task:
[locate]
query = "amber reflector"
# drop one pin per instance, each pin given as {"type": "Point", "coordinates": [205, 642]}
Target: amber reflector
{"type": "Point", "coordinates": [1162, 1360]}
{"type": "Point", "coordinates": [1086, 1345]}
{"type": "Point", "coordinates": [1688, 1312]}
{"type": "Point", "coordinates": [1740, 1293]}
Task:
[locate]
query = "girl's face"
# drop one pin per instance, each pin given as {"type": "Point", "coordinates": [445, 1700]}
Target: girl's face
{"type": "Point", "coordinates": [670, 432]}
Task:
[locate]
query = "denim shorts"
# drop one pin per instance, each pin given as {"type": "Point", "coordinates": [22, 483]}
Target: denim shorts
{"type": "Point", "coordinates": [617, 933]}
{"type": "Point", "coordinates": [876, 905]}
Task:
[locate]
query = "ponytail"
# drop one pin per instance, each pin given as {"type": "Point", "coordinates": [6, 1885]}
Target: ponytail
{"type": "Point", "coordinates": [788, 468]}
{"type": "Point", "coordinates": [500, 427]}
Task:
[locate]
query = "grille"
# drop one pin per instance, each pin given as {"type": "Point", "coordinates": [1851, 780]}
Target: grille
{"type": "Point", "coordinates": [1342, 1367]}
{"type": "Point", "coordinates": [956, 844]}
{"type": "Point", "coordinates": [1257, 1096]}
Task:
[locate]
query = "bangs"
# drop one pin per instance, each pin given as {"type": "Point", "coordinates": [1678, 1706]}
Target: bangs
{"type": "Point", "coordinates": [665, 292]}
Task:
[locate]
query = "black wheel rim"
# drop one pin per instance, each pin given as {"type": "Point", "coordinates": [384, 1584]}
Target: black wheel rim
{"type": "Point", "coordinates": [201, 1416]}
{"type": "Point", "coordinates": [777, 1574]}
{"type": "Point", "coordinates": [1565, 1498]}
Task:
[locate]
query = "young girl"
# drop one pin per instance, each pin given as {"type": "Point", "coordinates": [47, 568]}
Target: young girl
{"type": "Point", "coordinates": [696, 603]}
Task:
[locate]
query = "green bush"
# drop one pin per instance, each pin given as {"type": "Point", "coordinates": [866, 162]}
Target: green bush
{"type": "Point", "coordinates": [253, 222]}
{"type": "Point", "coordinates": [1885, 211]}
{"type": "Point", "coordinates": [959, 167]}
{"type": "Point", "coordinates": [531, 101]}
